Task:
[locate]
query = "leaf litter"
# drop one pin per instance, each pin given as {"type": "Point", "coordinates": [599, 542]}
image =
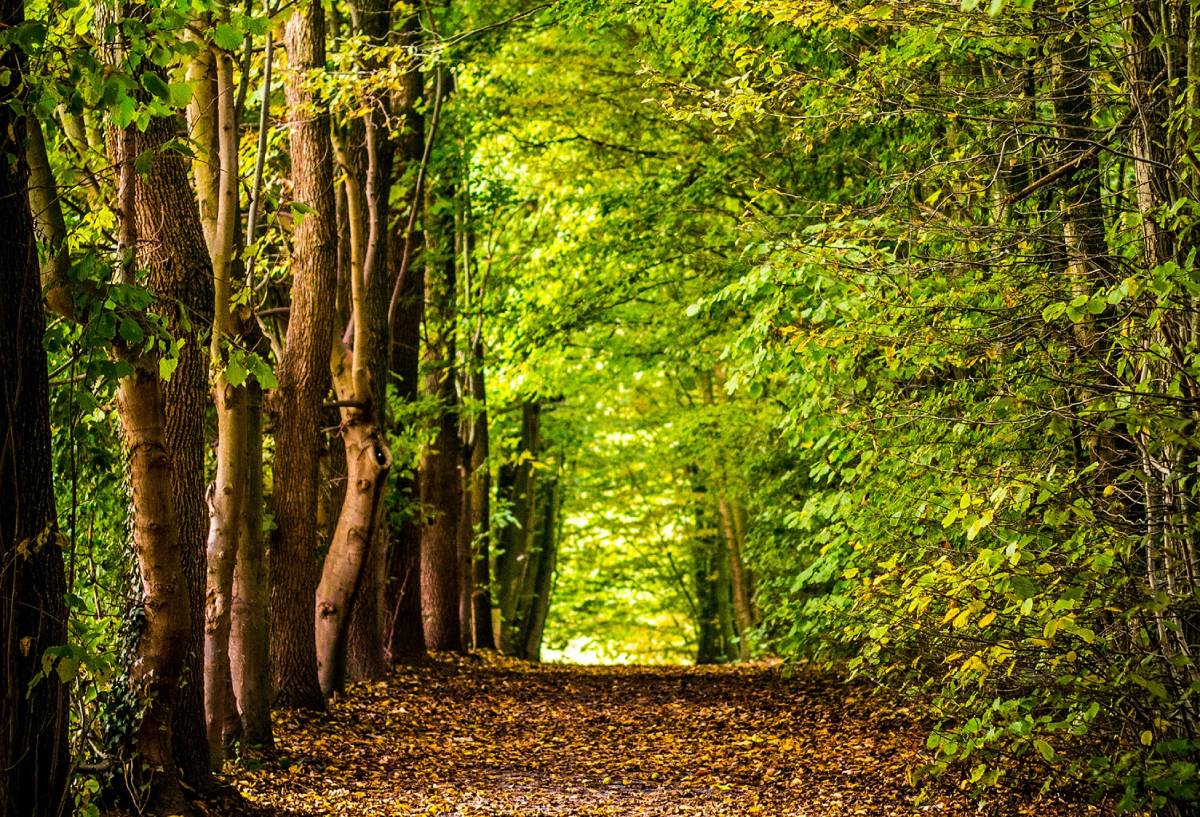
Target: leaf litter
{"type": "Point", "coordinates": [475, 737]}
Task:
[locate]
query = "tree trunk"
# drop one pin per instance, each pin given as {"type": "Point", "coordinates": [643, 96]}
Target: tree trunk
{"type": "Point", "coordinates": [739, 586]}
{"type": "Point", "coordinates": [162, 648]}
{"type": "Point", "coordinates": [249, 655]}
{"type": "Point", "coordinates": [33, 752]}
{"type": "Point", "coordinates": [368, 460]}
{"type": "Point", "coordinates": [516, 487]}
{"type": "Point", "coordinates": [229, 488]}
{"type": "Point", "coordinates": [402, 583]}
{"type": "Point", "coordinates": [163, 643]}
{"type": "Point", "coordinates": [727, 624]}
{"type": "Point", "coordinates": [705, 570]}
{"type": "Point", "coordinates": [303, 372]}
{"type": "Point", "coordinates": [173, 252]}
{"type": "Point", "coordinates": [480, 486]}
{"type": "Point", "coordinates": [249, 641]}
{"type": "Point", "coordinates": [441, 479]}
{"type": "Point", "coordinates": [708, 647]}
{"type": "Point", "coordinates": [367, 638]}
{"type": "Point", "coordinates": [466, 537]}
{"type": "Point", "coordinates": [405, 631]}
{"type": "Point", "coordinates": [547, 558]}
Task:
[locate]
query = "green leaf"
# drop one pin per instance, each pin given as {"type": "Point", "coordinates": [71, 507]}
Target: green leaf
{"type": "Point", "coordinates": [1023, 588]}
{"type": "Point", "coordinates": [262, 371]}
{"type": "Point", "coordinates": [130, 331]}
{"type": "Point", "coordinates": [153, 83]}
{"type": "Point", "coordinates": [180, 93]}
{"type": "Point", "coordinates": [67, 668]}
{"type": "Point", "coordinates": [166, 367]}
{"type": "Point", "coordinates": [227, 37]}
{"type": "Point", "coordinates": [299, 211]}
{"type": "Point", "coordinates": [1044, 749]}
{"type": "Point", "coordinates": [123, 115]}
{"type": "Point", "coordinates": [143, 163]}
{"type": "Point", "coordinates": [235, 371]}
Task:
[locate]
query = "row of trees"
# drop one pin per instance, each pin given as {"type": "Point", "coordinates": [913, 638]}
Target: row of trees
{"type": "Point", "coordinates": [261, 282]}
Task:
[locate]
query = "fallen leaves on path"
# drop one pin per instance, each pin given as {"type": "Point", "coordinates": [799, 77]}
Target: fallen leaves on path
{"type": "Point", "coordinates": [468, 737]}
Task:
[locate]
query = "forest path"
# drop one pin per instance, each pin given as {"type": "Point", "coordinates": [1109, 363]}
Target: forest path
{"type": "Point", "coordinates": [492, 737]}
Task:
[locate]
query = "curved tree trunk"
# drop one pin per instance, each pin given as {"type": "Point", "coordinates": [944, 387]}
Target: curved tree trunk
{"type": "Point", "coordinates": [367, 637]}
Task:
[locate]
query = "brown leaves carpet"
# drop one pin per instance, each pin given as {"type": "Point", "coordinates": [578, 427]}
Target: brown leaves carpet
{"type": "Point", "coordinates": [470, 737]}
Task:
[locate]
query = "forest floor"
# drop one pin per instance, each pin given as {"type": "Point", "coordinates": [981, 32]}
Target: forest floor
{"type": "Point", "coordinates": [492, 737]}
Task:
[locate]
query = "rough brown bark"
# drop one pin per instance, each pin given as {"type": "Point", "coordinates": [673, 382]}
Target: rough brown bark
{"type": "Point", "coordinates": [173, 252]}
{"type": "Point", "coordinates": [33, 748]}
{"type": "Point", "coordinates": [303, 372]}
{"type": "Point", "coordinates": [166, 635]}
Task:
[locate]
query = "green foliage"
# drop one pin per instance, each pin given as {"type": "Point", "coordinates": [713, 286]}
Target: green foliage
{"type": "Point", "coordinates": [820, 208]}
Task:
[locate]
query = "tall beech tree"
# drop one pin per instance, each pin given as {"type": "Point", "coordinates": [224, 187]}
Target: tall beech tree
{"type": "Point", "coordinates": [173, 253]}
{"type": "Point", "coordinates": [216, 174]}
{"type": "Point", "coordinates": [303, 370]}
{"type": "Point", "coordinates": [165, 641]}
